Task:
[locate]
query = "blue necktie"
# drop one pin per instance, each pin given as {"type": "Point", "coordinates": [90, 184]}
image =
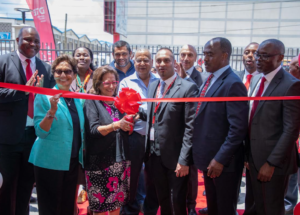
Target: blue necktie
{"type": "Point", "coordinates": [162, 89]}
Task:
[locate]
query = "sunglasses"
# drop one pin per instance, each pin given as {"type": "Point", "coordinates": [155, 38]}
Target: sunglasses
{"type": "Point", "coordinates": [67, 72]}
{"type": "Point", "coordinates": [114, 83]}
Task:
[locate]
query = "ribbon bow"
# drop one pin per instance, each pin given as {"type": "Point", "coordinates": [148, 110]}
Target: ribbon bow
{"type": "Point", "coordinates": [128, 101]}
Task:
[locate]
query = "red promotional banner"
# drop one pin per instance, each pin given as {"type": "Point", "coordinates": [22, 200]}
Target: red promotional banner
{"type": "Point", "coordinates": [42, 22]}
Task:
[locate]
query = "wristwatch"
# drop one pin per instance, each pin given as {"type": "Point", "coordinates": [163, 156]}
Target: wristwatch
{"type": "Point", "coordinates": [49, 116]}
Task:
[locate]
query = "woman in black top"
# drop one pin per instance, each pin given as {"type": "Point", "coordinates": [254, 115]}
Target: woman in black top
{"type": "Point", "coordinates": [106, 164]}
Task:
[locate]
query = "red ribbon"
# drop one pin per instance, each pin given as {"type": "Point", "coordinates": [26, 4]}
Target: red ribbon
{"type": "Point", "coordinates": [129, 100]}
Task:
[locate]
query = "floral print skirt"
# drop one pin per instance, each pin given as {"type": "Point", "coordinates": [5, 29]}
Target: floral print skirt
{"type": "Point", "coordinates": [108, 189]}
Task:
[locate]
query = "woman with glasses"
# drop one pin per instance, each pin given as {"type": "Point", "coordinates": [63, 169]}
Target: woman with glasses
{"type": "Point", "coordinates": [107, 166]}
{"type": "Point", "coordinates": [57, 151]}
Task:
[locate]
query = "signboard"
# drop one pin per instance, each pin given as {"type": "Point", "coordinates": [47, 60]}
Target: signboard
{"type": "Point", "coordinates": [5, 36]}
{"type": "Point", "coordinates": [42, 22]}
{"type": "Point", "coordinates": [121, 17]}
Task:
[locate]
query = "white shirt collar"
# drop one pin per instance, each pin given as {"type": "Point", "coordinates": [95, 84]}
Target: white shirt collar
{"type": "Point", "coordinates": [23, 58]}
{"type": "Point", "coordinates": [169, 80]}
{"type": "Point", "coordinates": [271, 75]}
{"type": "Point", "coordinates": [190, 70]}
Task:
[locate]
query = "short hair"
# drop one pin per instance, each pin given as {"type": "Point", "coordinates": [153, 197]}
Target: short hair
{"type": "Point", "coordinates": [98, 76]}
{"type": "Point", "coordinates": [143, 50]}
{"type": "Point", "coordinates": [225, 45]}
{"type": "Point", "coordinates": [91, 56]}
{"type": "Point", "coordinates": [166, 48]}
{"type": "Point", "coordinates": [64, 58]}
{"type": "Point", "coordinates": [119, 44]}
{"type": "Point", "coordinates": [277, 44]}
{"type": "Point", "coordinates": [26, 27]}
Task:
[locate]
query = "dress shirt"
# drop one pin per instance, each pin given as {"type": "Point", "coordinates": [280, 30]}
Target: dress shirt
{"type": "Point", "coordinates": [269, 77]}
{"type": "Point", "coordinates": [247, 73]}
{"type": "Point", "coordinates": [216, 74]}
{"type": "Point", "coordinates": [29, 121]}
{"type": "Point", "coordinates": [134, 82]}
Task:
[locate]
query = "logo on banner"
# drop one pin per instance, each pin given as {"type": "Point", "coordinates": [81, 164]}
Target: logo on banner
{"type": "Point", "coordinates": [40, 14]}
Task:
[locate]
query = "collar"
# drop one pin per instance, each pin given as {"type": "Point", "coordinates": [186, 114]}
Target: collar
{"type": "Point", "coordinates": [190, 70]}
{"type": "Point", "coordinates": [169, 80]}
{"type": "Point", "coordinates": [271, 75]}
{"type": "Point", "coordinates": [23, 58]}
{"type": "Point", "coordinates": [253, 74]}
{"type": "Point", "coordinates": [135, 76]}
{"type": "Point", "coordinates": [219, 72]}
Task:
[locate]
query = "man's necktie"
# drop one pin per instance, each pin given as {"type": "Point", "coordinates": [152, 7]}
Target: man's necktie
{"type": "Point", "coordinates": [31, 97]}
{"type": "Point", "coordinates": [255, 103]}
{"type": "Point", "coordinates": [162, 89]}
{"type": "Point", "coordinates": [202, 94]}
{"type": "Point", "coordinates": [247, 84]}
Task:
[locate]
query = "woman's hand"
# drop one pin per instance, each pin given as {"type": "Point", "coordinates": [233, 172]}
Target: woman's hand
{"type": "Point", "coordinates": [53, 101]}
{"type": "Point", "coordinates": [124, 125]}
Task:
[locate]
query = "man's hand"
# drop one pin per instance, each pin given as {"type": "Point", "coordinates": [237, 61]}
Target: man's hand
{"type": "Point", "coordinates": [265, 173]}
{"type": "Point", "coordinates": [32, 80]}
{"type": "Point", "coordinates": [214, 169]}
{"type": "Point", "coordinates": [181, 170]}
{"type": "Point", "coordinates": [40, 81]}
{"type": "Point", "coordinates": [180, 70]}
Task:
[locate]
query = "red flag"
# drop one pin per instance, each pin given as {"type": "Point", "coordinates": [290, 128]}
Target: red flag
{"type": "Point", "coordinates": [42, 22]}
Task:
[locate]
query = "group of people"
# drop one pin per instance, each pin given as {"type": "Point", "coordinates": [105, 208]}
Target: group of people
{"type": "Point", "coordinates": [59, 142]}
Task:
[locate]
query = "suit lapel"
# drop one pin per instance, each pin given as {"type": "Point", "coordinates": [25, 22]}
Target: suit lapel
{"type": "Point", "coordinates": [253, 84]}
{"type": "Point", "coordinates": [63, 106]}
{"type": "Point", "coordinates": [170, 93]}
{"type": "Point", "coordinates": [16, 60]}
{"type": "Point", "coordinates": [152, 94]}
{"type": "Point", "coordinates": [274, 83]}
{"type": "Point", "coordinates": [218, 83]}
{"type": "Point", "coordinates": [195, 77]}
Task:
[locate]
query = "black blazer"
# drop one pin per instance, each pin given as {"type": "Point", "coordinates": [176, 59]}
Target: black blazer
{"type": "Point", "coordinates": [221, 127]}
{"type": "Point", "coordinates": [107, 149]}
{"type": "Point", "coordinates": [174, 123]}
{"type": "Point", "coordinates": [14, 104]}
{"type": "Point", "coordinates": [198, 77]}
{"type": "Point", "coordinates": [275, 125]}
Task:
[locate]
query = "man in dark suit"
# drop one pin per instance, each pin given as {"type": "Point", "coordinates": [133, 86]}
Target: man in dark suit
{"type": "Point", "coordinates": [273, 129]}
{"type": "Point", "coordinates": [168, 135]}
{"type": "Point", "coordinates": [219, 130]}
{"type": "Point", "coordinates": [246, 76]}
{"type": "Point", "coordinates": [16, 117]}
{"type": "Point", "coordinates": [187, 58]}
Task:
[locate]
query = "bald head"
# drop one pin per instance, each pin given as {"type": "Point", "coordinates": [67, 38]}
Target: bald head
{"type": "Point", "coordinates": [144, 51]}
{"type": "Point", "coordinates": [27, 28]}
{"type": "Point", "coordinates": [277, 45]}
{"type": "Point", "coordinates": [28, 41]}
{"type": "Point", "coordinates": [294, 68]}
{"type": "Point", "coordinates": [188, 56]}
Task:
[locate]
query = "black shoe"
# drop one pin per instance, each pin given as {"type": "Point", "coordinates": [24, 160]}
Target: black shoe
{"type": "Point", "coordinates": [203, 211]}
{"type": "Point", "coordinates": [192, 211]}
{"type": "Point", "coordinates": [204, 193]}
{"type": "Point", "coordinates": [33, 200]}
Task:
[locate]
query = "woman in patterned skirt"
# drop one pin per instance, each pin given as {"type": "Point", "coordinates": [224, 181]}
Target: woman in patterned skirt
{"type": "Point", "coordinates": [107, 167]}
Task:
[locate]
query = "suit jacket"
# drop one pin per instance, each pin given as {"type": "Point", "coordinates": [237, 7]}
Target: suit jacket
{"type": "Point", "coordinates": [13, 103]}
{"type": "Point", "coordinates": [198, 77]}
{"type": "Point", "coordinates": [275, 125]}
{"type": "Point", "coordinates": [174, 121]}
{"type": "Point", "coordinates": [221, 127]}
{"type": "Point", "coordinates": [52, 149]}
{"type": "Point", "coordinates": [240, 74]}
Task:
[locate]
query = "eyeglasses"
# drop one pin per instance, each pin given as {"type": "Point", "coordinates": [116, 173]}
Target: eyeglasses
{"type": "Point", "coordinates": [146, 61]}
{"type": "Point", "coordinates": [114, 83]}
{"type": "Point", "coordinates": [67, 72]}
{"type": "Point", "coordinates": [263, 56]}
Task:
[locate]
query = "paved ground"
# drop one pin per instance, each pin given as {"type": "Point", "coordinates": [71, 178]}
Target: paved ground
{"type": "Point", "coordinates": [241, 203]}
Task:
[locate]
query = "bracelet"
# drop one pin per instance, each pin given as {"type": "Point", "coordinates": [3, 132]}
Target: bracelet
{"type": "Point", "coordinates": [49, 116]}
{"type": "Point", "coordinates": [112, 125]}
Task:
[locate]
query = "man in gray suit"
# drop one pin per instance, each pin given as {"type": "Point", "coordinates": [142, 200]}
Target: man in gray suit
{"type": "Point", "coordinates": [169, 132]}
{"type": "Point", "coordinates": [273, 129]}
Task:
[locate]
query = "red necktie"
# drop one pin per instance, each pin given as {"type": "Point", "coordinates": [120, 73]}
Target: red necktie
{"type": "Point", "coordinates": [204, 91]}
{"type": "Point", "coordinates": [31, 97]}
{"type": "Point", "coordinates": [255, 103]}
{"type": "Point", "coordinates": [247, 84]}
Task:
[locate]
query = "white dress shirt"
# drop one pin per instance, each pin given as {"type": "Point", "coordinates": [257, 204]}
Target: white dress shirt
{"type": "Point", "coordinates": [247, 73]}
{"type": "Point", "coordinates": [29, 121]}
{"type": "Point", "coordinates": [269, 77]}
